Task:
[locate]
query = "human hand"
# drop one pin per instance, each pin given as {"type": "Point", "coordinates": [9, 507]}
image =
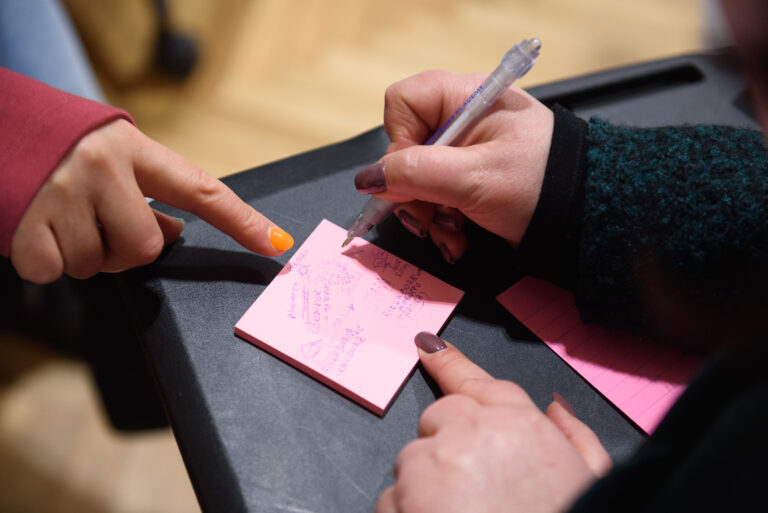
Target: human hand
{"type": "Point", "coordinates": [494, 178]}
{"type": "Point", "coordinates": [486, 447]}
{"type": "Point", "coordinates": [91, 215]}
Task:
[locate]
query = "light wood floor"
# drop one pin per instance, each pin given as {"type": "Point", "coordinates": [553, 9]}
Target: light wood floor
{"type": "Point", "coordinates": [280, 77]}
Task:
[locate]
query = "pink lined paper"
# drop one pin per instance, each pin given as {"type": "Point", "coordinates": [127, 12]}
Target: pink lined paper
{"type": "Point", "coordinates": [348, 317]}
{"type": "Point", "coordinates": [641, 377]}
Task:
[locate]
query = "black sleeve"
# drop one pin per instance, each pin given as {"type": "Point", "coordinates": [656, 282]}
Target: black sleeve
{"type": "Point", "coordinates": [708, 454]}
{"type": "Point", "coordinates": [659, 231]}
{"type": "Point", "coordinates": [674, 238]}
{"type": "Point", "coordinates": [549, 248]}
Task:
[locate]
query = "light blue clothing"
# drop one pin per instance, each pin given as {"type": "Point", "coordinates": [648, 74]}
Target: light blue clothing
{"type": "Point", "coordinates": [37, 39]}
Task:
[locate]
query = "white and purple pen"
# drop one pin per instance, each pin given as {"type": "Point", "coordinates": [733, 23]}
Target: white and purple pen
{"type": "Point", "coordinates": [515, 63]}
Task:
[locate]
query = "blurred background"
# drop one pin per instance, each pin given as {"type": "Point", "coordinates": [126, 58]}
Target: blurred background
{"type": "Point", "coordinates": [240, 83]}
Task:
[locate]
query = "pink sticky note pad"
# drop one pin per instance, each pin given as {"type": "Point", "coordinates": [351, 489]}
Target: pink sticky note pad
{"type": "Point", "coordinates": [641, 377]}
{"type": "Point", "coordinates": [348, 317]}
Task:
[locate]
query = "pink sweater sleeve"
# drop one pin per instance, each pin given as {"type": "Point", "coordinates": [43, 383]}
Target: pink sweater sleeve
{"type": "Point", "coordinates": [38, 126]}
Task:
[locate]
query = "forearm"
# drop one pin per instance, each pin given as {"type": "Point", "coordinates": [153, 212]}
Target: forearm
{"type": "Point", "coordinates": [661, 222]}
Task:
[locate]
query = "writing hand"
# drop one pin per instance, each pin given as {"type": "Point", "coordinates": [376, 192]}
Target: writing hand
{"type": "Point", "coordinates": [91, 215]}
{"type": "Point", "coordinates": [486, 447]}
{"type": "Point", "coordinates": [494, 177]}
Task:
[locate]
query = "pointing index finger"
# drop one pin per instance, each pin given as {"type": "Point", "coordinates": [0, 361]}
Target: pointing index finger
{"type": "Point", "coordinates": [170, 178]}
{"type": "Point", "coordinates": [457, 374]}
{"type": "Point", "coordinates": [449, 367]}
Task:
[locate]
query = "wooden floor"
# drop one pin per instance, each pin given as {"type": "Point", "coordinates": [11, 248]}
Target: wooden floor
{"type": "Point", "coordinates": [277, 78]}
{"type": "Point", "coordinates": [282, 77]}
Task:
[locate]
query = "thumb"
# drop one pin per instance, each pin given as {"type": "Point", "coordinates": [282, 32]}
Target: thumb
{"type": "Point", "coordinates": [436, 174]}
{"type": "Point", "coordinates": [170, 226]}
{"type": "Point", "coordinates": [583, 439]}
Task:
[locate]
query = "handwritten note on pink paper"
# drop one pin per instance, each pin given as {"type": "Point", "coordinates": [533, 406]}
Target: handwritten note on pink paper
{"type": "Point", "coordinates": [641, 377]}
{"type": "Point", "coordinates": [348, 317]}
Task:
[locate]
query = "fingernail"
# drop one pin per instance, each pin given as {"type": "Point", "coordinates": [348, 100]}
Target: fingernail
{"type": "Point", "coordinates": [430, 343]}
{"type": "Point", "coordinates": [183, 223]}
{"type": "Point", "coordinates": [447, 221]}
{"type": "Point", "coordinates": [446, 253]}
{"type": "Point", "coordinates": [280, 239]}
{"type": "Point", "coordinates": [411, 224]}
{"type": "Point", "coordinates": [559, 399]}
{"type": "Point", "coordinates": [370, 180]}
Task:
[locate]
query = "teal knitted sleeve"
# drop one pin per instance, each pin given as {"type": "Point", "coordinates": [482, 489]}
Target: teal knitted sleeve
{"type": "Point", "coordinates": [675, 224]}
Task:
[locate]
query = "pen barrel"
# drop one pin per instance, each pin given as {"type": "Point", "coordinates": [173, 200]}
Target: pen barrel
{"type": "Point", "coordinates": [518, 60]}
{"type": "Point", "coordinates": [374, 211]}
{"type": "Point", "coordinates": [516, 63]}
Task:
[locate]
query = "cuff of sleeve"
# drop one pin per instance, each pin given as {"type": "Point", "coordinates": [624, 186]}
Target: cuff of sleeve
{"type": "Point", "coordinates": [549, 248]}
{"type": "Point", "coordinates": [39, 125]}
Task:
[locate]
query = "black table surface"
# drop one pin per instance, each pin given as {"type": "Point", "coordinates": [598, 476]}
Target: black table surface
{"type": "Point", "coordinates": [257, 434]}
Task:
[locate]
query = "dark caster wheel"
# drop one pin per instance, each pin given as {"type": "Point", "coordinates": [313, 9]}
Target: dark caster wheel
{"type": "Point", "coordinates": [176, 54]}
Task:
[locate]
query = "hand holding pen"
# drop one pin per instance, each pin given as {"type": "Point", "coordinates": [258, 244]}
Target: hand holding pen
{"type": "Point", "coordinates": [494, 178]}
{"type": "Point", "coordinates": [416, 106]}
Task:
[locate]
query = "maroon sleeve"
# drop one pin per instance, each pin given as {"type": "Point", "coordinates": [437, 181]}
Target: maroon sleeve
{"type": "Point", "coordinates": [38, 126]}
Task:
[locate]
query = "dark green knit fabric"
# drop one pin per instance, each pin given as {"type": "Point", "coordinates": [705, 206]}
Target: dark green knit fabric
{"type": "Point", "coordinates": [682, 209]}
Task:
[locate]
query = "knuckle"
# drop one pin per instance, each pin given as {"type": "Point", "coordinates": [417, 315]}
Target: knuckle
{"type": "Point", "coordinates": [454, 402]}
{"type": "Point", "coordinates": [506, 388]}
{"type": "Point", "coordinates": [527, 421]}
{"type": "Point", "coordinates": [40, 271]}
{"type": "Point", "coordinates": [251, 221]}
{"type": "Point", "coordinates": [35, 262]}
{"type": "Point", "coordinates": [454, 457]}
{"type": "Point", "coordinates": [208, 190]}
{"type": "Point", "coordinates": [431, 410]}
{"type": "Point", "coordinates": [411, 160]}
{"type": "Point", "coordinates": [149, 249]}
{"type": "Point", "coordinates": [40, 275]}
{"type": "Point", "coordinates": [92, 152]}
{"type": "Point", "coordinates": [392, 93]}
{"type": "Point", "coordinates": [408, 454]}
{"type": "Point", "coordinates": [386, 502]}
{"type": "Point", "coordinates": [431, 76]}
{"type": "Point", "coordinates": [399, 90]}
{"type": "Point", "coordinates": [57, 189]}
{"type": "Point", "coordinates": [430, 413]}
{"type": "Point", "coordinates": [470, 386]}
{"type": "Point", "coordinates": [409, 450]}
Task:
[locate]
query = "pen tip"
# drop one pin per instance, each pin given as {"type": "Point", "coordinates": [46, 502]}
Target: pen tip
{"type": "Point", "coordinates": [348, 240]}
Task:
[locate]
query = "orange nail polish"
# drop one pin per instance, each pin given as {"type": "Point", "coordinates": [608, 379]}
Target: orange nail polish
{"type": "Point", "coordinates": [280, 239]}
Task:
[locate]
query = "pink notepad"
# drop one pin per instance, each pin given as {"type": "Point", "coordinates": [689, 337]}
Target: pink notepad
{"type": "Point", "coordinates": [348, 317]}
{"type": "Point", "coordinates": [641, 377]}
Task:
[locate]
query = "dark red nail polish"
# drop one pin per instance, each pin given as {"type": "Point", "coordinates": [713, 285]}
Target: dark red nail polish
{"type": "Point", "coordinates": [430, 343]}
{"type": "Point", "coordinates": [446, 253]}
{"type": "Point", "coordinates": [370, 180]}
{"type": "Point", "coordinates": [447, 221]}
{"type": "Point", "coordinates": [411, 224]}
